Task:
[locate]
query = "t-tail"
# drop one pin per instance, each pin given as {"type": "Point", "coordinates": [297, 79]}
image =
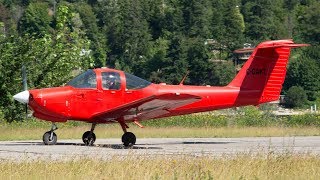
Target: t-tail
{"type": "Point", "coordinates": [261, 78]}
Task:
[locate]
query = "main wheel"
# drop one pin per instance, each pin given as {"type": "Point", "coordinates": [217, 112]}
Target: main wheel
{"type": "Point", "coordinates": [48, 139]}
{"type": "Point", "coordinates": [128, 139]}
{"type": "Point", "coordinates": [88, 138]}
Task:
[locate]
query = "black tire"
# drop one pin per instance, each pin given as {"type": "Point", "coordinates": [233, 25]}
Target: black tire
{"type": "Point", "coordinates": [128, 139]}
{"type": "Point", "coordinates": [88, 138]}
{"type": "Point", "coordinates": [47, 140]}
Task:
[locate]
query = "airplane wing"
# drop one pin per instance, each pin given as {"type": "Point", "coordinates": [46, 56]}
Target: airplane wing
{"type": "Point", "coordinates": [147, 108]}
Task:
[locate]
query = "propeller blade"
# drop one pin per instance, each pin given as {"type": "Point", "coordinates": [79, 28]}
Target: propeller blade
{"type": "Point", "coordinates": [24, 78]}
{"type": "Point", "coordinates": [25, 85]}
{"type": "Point", "coordinates": [26, 107]}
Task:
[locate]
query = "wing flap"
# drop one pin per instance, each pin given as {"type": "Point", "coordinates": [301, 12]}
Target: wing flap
{"type": "Point", "coordinates": [147, 108]}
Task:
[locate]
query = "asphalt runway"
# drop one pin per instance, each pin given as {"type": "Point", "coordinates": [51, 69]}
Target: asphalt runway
{"type": "Point", "coordinates": [154, 147]}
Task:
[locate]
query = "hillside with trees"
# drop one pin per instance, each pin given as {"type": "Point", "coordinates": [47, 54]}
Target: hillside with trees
{"type": "Point", "coordinates": [159, 40]}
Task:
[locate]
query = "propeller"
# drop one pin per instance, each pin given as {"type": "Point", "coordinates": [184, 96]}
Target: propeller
{"type": "Point", "coordinates": [23, 96]}
{"type": "Point", "coordinates": [25, 85]}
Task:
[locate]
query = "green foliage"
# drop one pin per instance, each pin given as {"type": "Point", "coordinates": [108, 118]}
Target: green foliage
{"type": "Point", "coordinates": [295, 97]}
{"type": "Point", "coordinates": [303, 120]}
{"type": "Point", "coordinates": [308, 22]}
{"type": "Point", "coordinates": [46, 58]}
{"type": "Point", "coordinates": [222, 73]}
{"type": "Point", "coordinates": [304, 72]}
{"type": "Point", "coordinates": [197, 120]}
{"type": "Point", "coordinates": [264, 19]}
{"type": "Point", "coordinates": [36, 19]}
{"type": "Point", "coordinates": [98, 44]}
{"type": "Point", "coordinates": [250, 116]}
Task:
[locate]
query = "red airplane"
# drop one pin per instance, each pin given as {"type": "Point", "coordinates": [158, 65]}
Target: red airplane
{"type": "Point", "coordinates": [106, 95]}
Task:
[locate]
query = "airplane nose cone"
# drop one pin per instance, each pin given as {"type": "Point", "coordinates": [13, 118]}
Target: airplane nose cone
{"type": "Point", "coordinates": [22, 97]}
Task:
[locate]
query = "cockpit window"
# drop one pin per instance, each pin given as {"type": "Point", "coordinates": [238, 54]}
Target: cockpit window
{"type": "Point", "coordinates": [84, 80]}
{"type": "Point", "coordinates": [134, 82]}
{"type": "Point", "coordinates": [111, 80]}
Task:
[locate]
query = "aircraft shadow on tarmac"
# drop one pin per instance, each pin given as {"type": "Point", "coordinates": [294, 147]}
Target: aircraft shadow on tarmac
{"type": "Point", "coordinates": [116, 146]}
{"type": "Point", "coordinates": [183, 142]}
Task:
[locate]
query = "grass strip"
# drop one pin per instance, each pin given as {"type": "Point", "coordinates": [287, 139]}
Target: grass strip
{"type": "Point", "coordinates": [243, 166]}
{"type": "Point", "coordinates": [114, 131]}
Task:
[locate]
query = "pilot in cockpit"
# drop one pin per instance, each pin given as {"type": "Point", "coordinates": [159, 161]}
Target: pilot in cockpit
{"type": "Point", "coordinates": [111, 82]}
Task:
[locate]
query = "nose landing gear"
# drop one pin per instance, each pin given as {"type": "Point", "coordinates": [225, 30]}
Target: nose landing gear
{"type": "Point", "coordinates": [50, 138]}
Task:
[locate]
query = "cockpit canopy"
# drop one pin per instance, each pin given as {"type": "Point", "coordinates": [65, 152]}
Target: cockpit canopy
{"type": "Point", "coordinates": [134, 82]}
{"type": "Point", "coordinates": [86, 79]}
{"type": "Point", "coordinates": [110, 80]}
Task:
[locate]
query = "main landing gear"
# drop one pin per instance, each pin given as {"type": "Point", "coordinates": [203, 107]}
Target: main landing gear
{"type": "Point", "coordinates": [128, 138]}
{"type": "Point", "coordinates": [89, 137]}
{"type": "Point", "coordinates": [50, 138]}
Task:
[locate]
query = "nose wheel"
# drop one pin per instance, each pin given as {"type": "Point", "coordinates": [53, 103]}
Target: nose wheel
{"type": "Point", "coordinates": [89, 137]}
{"type": "Point", "coordinates": [50, 138]}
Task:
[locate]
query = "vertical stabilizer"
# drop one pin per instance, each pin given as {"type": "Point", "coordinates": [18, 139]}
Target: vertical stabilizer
{"type": "Point", "coordinates": [261, 77]}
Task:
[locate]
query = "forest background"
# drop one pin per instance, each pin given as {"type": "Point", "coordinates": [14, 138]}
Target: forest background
{"type": "Point", "coordinates": [159, 40]}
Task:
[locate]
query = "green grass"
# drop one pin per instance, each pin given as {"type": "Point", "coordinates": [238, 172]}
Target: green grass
{"type": "Point", "coordinates": [114, 131]}
{"type": "Point", "coordinates": [287, 166]}
{"type": "Point", "coordinates": [247, 122]}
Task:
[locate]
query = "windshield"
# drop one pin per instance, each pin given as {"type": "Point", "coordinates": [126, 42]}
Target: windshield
{"type": "Point", "coordinates": [134, 82]}
{"type": "Point", "coordinates": [84, 80]}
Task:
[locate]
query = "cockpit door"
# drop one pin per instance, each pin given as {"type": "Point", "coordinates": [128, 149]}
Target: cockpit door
{"type": "Point", "coordinates": [85, 98]}
{"type": "Point", "coordinates": [85, 102]}
{"type": "Point", "coordinates": [112, 89]}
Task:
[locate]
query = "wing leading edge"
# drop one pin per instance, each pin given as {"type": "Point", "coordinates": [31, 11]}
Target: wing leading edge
{"type": "Point", "coordinates": [147, 108]}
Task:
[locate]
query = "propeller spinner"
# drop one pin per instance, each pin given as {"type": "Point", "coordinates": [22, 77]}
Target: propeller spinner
{"type": "Point", "coordinates": [22, 97]}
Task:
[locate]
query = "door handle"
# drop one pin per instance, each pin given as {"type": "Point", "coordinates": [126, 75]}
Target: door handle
{"type": "Point", "coordinates": [129, 92]}
{"type": "Point", "coordinates": [80, 95]}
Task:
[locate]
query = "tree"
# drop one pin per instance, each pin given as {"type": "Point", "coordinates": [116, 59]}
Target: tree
{"type": "Point", "coordinates": [196, 16]}
{"type": "Point", "coordinates": [50, 60]}
{"type": "Point", "coordinates": [5, 19]}
{"type": "Point", "coordinates": [295, 97]}
{"type": "Point", "coordinates": [264, 20]}
{"type": "Point", "coordinates": [128, 35]}
{"type": "Point", "coordinates": [308, 28]}
{"type": "Point", "coordinates": [197, 58]}
{"type": "Point", "coordinates": [36, 19]}
{"type": "Point", "coordinates": [222, 73]}
{"type": "Point", "coordinates": [304, 72]}
{"type": "Point", "coordinates": [234, 26]}
{"type": "Point", "coordinates": [98, 43]}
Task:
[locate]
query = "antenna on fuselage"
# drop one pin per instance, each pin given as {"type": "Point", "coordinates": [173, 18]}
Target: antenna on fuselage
{"type": "Point", "coordinates": [184, 78]}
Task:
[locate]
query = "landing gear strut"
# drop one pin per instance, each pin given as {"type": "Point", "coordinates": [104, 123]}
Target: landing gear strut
{"type": "Point", "coordinates": [89, 137]}
{"type": "Point", "coordinates": [50, 138]}
{"type": "Point", "coordinates": [128, 138]}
